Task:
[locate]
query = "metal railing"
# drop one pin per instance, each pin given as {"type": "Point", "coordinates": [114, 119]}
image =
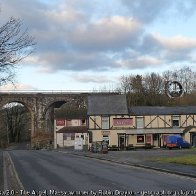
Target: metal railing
{"type": "Point", "coordinates": [55, 91]}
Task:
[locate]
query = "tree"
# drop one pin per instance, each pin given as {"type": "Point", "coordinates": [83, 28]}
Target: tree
{"type": "Point", "coordinates": [155, 88]}
{"type": "Point", "coordinates": [133, 86]}
{"type": "Point", "coordinates": [185, 76]}
{"type": "Point", "coordinates": [16, 122]}
{"type": "Point", "coordinates": [15, 45]}
{"type": "Point", "coordinates": [125, 82]}
{"type": "Point", "coordinates": [150, 88]}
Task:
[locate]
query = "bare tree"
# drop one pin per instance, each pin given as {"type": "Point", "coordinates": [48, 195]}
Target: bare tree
{"type": "Point", "coordinates": [132, 85]}
{"type": "Point", "coordinates": [185, 76]}
{"type": "Point", "coordinates": [125, 84]}
{"type": "Point", "coordinates": [155, 88]}
{"type": "Point", "coordinates": [15, 45]}
{"type": "Point", "coordinates": [150, 88]}
{"type": "Point", "coordinates": [16, 120]}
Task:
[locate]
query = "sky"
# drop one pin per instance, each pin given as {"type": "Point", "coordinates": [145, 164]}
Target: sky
{"type": "Point", "coordinates": [90, 44]}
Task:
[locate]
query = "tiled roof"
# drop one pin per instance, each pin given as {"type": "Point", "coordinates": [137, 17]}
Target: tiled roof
{"type": "Point", "coordinates": [71, 114]}
{"type": "Point", "coordinates": [73, 129]}
{"type": "Point", "coordinates": [107, 104]}
{"type": "Point", "coordinates": [162, 110]}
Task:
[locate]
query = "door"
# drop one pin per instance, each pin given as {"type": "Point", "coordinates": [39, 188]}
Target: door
{"type": "Point", "coordinates": [121, 142]}
{"type": "Point", "coordinates": [194, 139]}
{"type": "Point", "coordinates": [156, 140]}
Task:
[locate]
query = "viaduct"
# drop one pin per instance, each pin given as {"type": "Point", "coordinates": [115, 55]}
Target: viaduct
{"type": "Point", "coordinates": [38, 103]}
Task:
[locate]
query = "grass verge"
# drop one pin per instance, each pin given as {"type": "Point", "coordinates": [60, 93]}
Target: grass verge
{"type": "Point", "coordinates": [185, 160]}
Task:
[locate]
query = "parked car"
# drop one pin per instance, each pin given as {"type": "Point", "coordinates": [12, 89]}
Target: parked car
{"type": "Point", "coordinates": [176, 141]}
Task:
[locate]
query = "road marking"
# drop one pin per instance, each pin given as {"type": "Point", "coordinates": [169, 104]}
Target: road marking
{"type": "Point", "coordinates": [12, 170]}
{"type": "Point", "coordinates": [5, 184]}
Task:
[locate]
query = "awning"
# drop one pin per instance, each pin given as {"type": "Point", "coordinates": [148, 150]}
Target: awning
{"type": "Point", "coordinates": [152, 131]}
{"type": "Point", "coordinates": [73, 129]}
{"type": "Point", "coordinates": [191, 129]}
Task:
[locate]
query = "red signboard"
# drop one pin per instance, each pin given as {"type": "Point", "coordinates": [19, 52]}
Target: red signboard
{"type": "Point", "coordinates": [148, 138]}
{"type": "Point", "coordinates": [60, 122]}
{"type": "Point", "coordinates": [122, 121]}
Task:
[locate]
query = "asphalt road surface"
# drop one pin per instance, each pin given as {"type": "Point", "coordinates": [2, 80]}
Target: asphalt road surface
{"type": "Point", "coordinates": [55, 171]}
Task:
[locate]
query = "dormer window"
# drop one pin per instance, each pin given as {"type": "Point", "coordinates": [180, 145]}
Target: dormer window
{"type": "Point", "coordinates": [175, 121]}
{"type": "Point", "coordinates": [140, 122]}
{"type": "Point", "coordinates": [105, 122]}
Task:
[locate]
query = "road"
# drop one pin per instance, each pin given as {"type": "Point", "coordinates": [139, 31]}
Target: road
{"type": "Point", "coordinates": [49, 170]}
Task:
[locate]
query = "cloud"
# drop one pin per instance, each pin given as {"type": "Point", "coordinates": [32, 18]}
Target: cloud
{"type": "Point", "coordinates": [156, 50]}
{"type": "Point", "coordinates": [74, 61]}
{"type": "Point", "coordinates": [77, 36]}
{"type": "Point", "coordinates": [147, 11]}
{"type": "Point", "coordinates": [17, 87]}
{"type": "Point", "coordinates": [86, 78]}
{"type": "Point", "coordinates": [177, 42]}
{"type": "Point", "coordinates": [111, 34]}
{"type": "Point", "coordinates": [140, 62]}
{"type": "Point", "coordinates": [176, 48]}
{"type": "Point", "coordinates": [67, 38]}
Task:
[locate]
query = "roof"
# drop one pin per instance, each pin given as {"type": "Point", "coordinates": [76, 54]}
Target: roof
{"type": "Point", "coordinates": [73, 129]}
{"type": "Point", "coordinates": [161, 110]}
{"type": "Point", "coordinates": [107, 104]}
{"type": "Point", "coordinates": [71, 114]}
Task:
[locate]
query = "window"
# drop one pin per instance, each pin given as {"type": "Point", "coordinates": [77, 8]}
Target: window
{"type": "Point", "coordinates": [140, 139]}
{"type": "Point", "coordinates": [105, 122]}
{"type": "Point", "coordinates": [106, 138]}
{"type": "Point", "coordinates": [140, 122]}
{"type": "Point", "coordinates": [65, 135]}
{"type": "Point", "coordinates": [176, 121]}
{"type": "Point", "coordinates": [68, 136]}
{"type": "Point", "coordinates": [83, 121]}
{"type": "Point", "coordinates": [72, 136]}
{"type": "Point", "coordinates": [69, 123]}
{"type": "Point", "coordinates": [155, 136]}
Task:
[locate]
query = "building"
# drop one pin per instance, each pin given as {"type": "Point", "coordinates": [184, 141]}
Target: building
{"type": "Point", "coordinates": [110, 119]}
{"type": "Point", "coordinates": [67, 132]}
{"type": "Point", "coordinates": [104, 115]}
{"type": "Point", "coordinates": [152, 124]}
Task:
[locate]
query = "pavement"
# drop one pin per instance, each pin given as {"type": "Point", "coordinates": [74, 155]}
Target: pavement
{"type": "Point", "coordinates": [9, 179]}
{"type": "Point", "coordinates": [1, 170]}
{"type": "Point", "coordinates": [144, 159]}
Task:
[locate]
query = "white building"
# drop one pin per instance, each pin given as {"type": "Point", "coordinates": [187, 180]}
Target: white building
{"type": "Point", "coordinates": [67, 132]}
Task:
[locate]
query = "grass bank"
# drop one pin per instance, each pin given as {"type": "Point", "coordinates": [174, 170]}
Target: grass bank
{"type": "Point", "coordinates": [185, 159]}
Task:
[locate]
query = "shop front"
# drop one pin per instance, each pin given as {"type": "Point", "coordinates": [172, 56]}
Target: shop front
{"type": "Point", "coordinates": [153, 137]}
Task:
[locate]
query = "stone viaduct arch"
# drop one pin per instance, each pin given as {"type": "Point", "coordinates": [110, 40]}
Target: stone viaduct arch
{"type": "Point", "coordinates": [39, 103]}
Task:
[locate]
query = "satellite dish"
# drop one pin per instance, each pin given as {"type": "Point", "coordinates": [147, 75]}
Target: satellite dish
{"type": "Point", "coordinates": [174, 89]}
